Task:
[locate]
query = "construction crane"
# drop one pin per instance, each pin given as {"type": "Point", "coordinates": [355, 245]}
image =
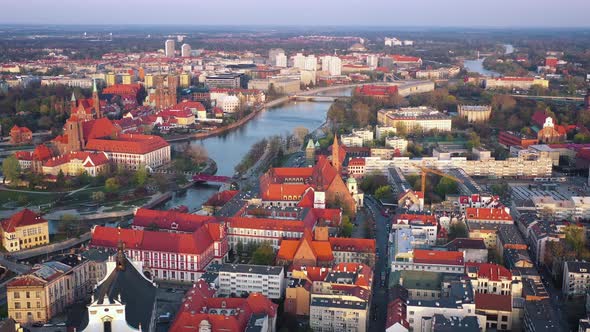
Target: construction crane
{"type": "Point", "coordinates": [426, 170]}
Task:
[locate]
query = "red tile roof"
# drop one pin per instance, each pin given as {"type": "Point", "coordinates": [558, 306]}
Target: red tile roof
{"type": "Point", "coordinates": [376, 90]}
{"type": "Point", "coordinates": [221, 198]}
{"type": "Point", "coordinates": [438, 257]}
{"type": "Point", "coordinates": [25, 217]}
{"type": "Point", "coordinates": [128, 143]}
{"type": "Point", "coordinates": [22, 130]}
{"type": "Point", "coordinates": [199, 301]}
{"type": "Point", "coordinates": [494, 214]}
{"type": "Point", "coordinates": [170, 220]}
{"type": "Point", "coordinates": [493, 302]}
{"type": "Point", "coordinates": [195, 243]}
{"type": "Point", "coordinates": [26, 281]}
{"type": "Point", "coordinates": [352, 244]}
{"type": "Point", "coordinates": [89, 159]}
{"type": "Point", "coordinates": [42, 152]}
{"type": "Point", "coordinates": [99, 128]}
{"type": "Point", "coordinates": [492, 272]}
{"type": "Point", "coordinates": [408, 218]}
{"type": "Point", "coordinates": [266, 224]}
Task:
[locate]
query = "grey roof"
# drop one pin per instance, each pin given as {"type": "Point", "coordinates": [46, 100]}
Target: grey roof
{"type": "Point", "coordinates": [98, 254]}
{"type": "Point", "coordinates": [441, 323]}
{"type": "Point", "coordinates": [465, 243]}
{"type": "Point", "coordinates": [578, 267]}
{"type": "Point", "coordinates": [512, 256]}
{"type": "Point", "coordinates": [509, 234]}
{"type": "Point", "coordinates": [460, 292]}
{"type": "Point", "coordinates": [539, 315]}
{"type": "Point", "coordinates": [255, 322]}
{"type": "Point", "coordinates": [135, 291]}
{"type": "Point", "coordinates": [254, 269]}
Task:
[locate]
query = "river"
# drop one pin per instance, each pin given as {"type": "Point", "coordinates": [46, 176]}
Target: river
{"type": "Point", "coordinates": [229, 149]}
{"type": "Point", "coordinates": [476, 66]}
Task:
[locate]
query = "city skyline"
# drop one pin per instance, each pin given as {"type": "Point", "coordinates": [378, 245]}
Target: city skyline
{"type": "Point", "coordinates": [452, 13]}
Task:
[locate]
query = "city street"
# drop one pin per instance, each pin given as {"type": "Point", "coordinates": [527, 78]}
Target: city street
{"type": "Point", "coordinates": [380, 293]}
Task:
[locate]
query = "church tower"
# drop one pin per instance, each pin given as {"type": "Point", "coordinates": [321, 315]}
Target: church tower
{"type": "Point", "coordinates": [73, 103]}
{"type": "Point", "coordinates": [96, 100]}
{"type": "Point", "coordinates": [336, 154]}
{"type": "Point", "coordinates": [73, 131]}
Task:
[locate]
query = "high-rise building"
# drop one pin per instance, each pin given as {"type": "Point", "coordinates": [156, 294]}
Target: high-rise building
{"type": "Point", "coordinates": [311, 63]}
{"type": "Point", "coordinates": [186, 50]}
{"type": "Point", "coordinates": [299, 61]}
{"type": "Point", "coordinates": [372, 60]}
{"type": "Point", "coordinates": [332, 65]}
{"type": "Point", "coordinates": [281, 60]}
{"type": "Point", "coordinates": [272, 55]}
{"type": "Point", "coordinates": [169, 48]}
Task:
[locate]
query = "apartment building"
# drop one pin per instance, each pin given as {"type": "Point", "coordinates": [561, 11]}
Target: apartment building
{"type": "Point", "coordinates": [240, 279]}
{"type": "Point", "coordinates": [414, 119]}
{"type": "Point", "coordinates": [576, 278]}
{"type": "Point", "coordinates": [430, 260]}
{"type": "Point", "coordinates": [48, 289]}
{"type": "Point", "coordinates": [339, 312]}
{"type": "Point", "coordinates": [23, 230]}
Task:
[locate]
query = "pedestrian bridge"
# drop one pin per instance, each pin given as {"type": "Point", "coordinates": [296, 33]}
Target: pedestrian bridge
{"type": "Point", "coordinates": [211, 178]}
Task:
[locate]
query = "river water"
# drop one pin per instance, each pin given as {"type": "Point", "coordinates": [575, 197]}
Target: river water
{"type": "Point", "coordinates": [476, 66]}
{"type": "Point", "coordinates": [229, 149]}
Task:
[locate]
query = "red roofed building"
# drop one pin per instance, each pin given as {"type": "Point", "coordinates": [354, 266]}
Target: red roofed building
{"type": "Point", "coordinates": [257, 230]}
{"type": "Point", "coordinates": [23, 230]}
{"type": "Point", "coordinates": [124, 90]}
{"type": "Point", "coordinates": [20, 135]}
{"type": "Point", "coordinates": [497, 309]}
{"type": "Point", "coordinates": [488, 278]}
{"type": "Point", "coordinates": [356, 167]}
{"type": "Point", "coordinates": [166, 255]}
{"type": "Point", "coordinates": [551, 132]}
{"type": "Point", "coordinates": [432, 261]}
{"type": "Point", "coordinates": [406, 60]}
{"type": "Point", "coordinates": [286, 186]}
{"type": "Point", "coordinates": [75, 163]}
{"type": "Point", "coordinates": [376, 91]}
{"type": "Point", "coordinates": [133, 150]}
{"type": "Point", "coordinates": [201, 311]}
{"type": "Point", "coordinates": [488, 215]}
{"type": "Point", "coordinates": [170, 221]}
{"type": "Point", "coordinates": [325, 251]}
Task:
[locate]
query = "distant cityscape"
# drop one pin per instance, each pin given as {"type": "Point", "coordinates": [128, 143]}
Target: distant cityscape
{"type": "Point", "coordinates": [283, 180]}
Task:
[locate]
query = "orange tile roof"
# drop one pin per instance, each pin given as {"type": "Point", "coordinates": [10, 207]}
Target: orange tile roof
{"type": "Point", "coordinates": [170, 220]}
{"type": "Point", "coordinates": [498, 214]}
{"type": "Point", "coordinates": [493, 272]}
{"type": "Point", "coordinates": [438, 257]}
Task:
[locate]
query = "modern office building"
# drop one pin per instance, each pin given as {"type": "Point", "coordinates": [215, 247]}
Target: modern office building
{"type": "Point", "coordinates": [169, 48]}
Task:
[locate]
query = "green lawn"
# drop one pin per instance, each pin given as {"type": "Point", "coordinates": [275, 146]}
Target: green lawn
{"type": "Point", "coordinates": [12, 199]}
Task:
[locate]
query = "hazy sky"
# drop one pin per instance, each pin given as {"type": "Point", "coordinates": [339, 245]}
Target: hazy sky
{"type": "Point", "coordinates": [496, 13]}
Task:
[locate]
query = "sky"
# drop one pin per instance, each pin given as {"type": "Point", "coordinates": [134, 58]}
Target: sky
{"type": "Point", "coordinates": [448, 13]}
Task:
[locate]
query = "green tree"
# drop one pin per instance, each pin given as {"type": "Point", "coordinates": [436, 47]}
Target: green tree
{"type": "Point", "coordinates": [11, 168]}
{"type": "Point", "coordinates": [575, 237]}
{"type": "Point", "coordinates": [140, 176]}
{"type": "Point", "coordinates": [60, 181]}
{"type": "Point", "coordinates": [446, 186]}
{"type": "Point", "coordinates": [346, 226]}
{"type": "Point", "coordinates": [474, 140]}
{"type": "Point", "coordinates": [111, 185]}
{"type": "Point", "coordinates": [458, 230]}
{"type": "Point", "coordinates": [383, 193]}
{"type": "Point", "coordinates": [263, 255]}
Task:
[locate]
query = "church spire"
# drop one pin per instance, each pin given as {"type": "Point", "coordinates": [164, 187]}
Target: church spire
{"type": "Point", "coordinates": [94, 89]}
{"type": "Point", "coordinates": [96, 100]}
{"type": "Point", "coordinates": [336, 153]}
{"type": "Point", "coordinates": [73, 97]}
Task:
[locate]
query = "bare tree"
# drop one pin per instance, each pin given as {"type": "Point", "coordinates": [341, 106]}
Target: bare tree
{"type": "Point", "coordinates": [197, 153]}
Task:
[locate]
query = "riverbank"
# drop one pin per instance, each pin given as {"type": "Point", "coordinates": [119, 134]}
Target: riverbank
{"type": "Point", "coordinates": [228, 128]}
